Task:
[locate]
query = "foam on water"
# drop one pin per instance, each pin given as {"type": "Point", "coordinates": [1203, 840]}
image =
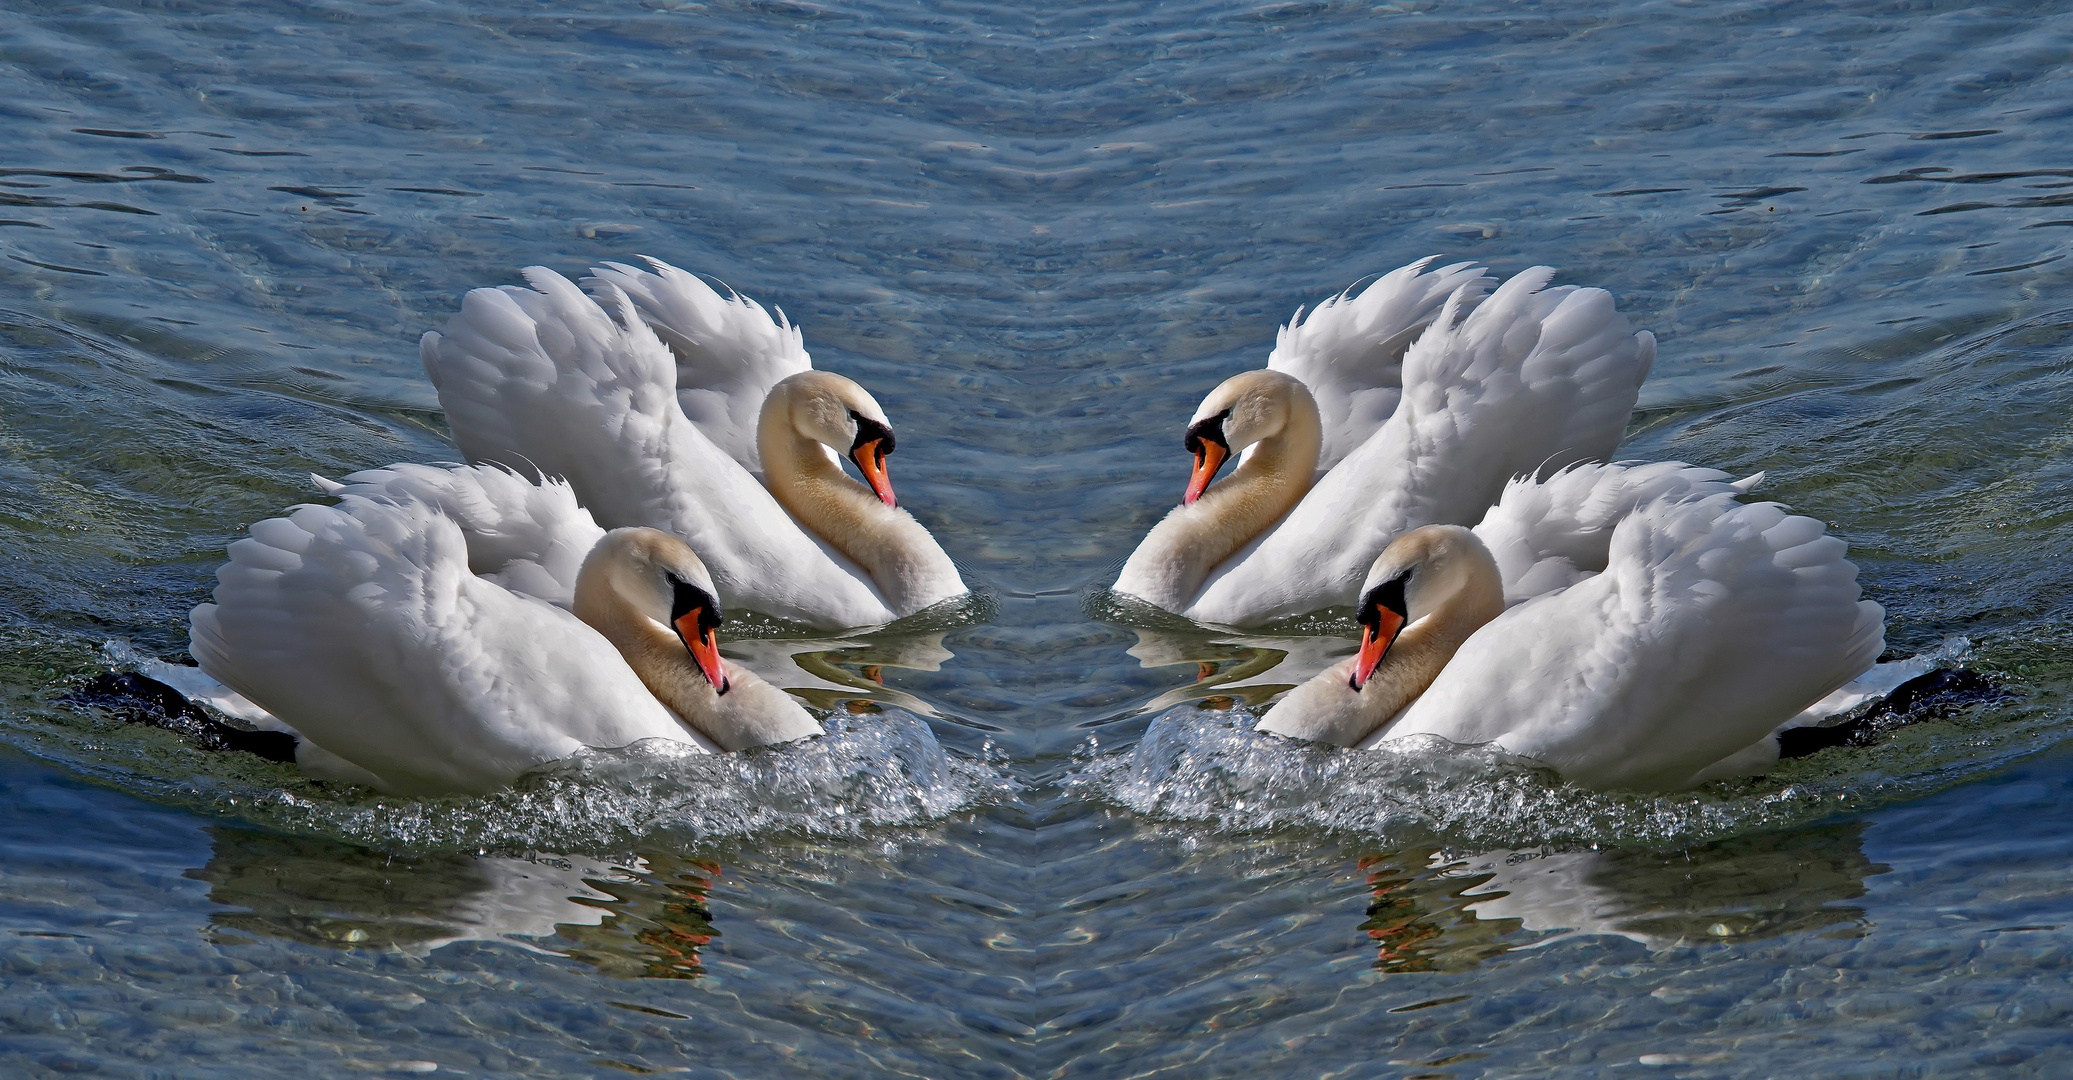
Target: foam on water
{"type": "Point", "coordinates": [867, 772]}
{"type": "Point", "coordinates": [1207, 765]}
{"type": "Point", "coordinates": [876, 769]}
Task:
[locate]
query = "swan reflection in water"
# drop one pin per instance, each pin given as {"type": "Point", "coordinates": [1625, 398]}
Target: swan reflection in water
{"type": "Point", "coordinates": [834, 672]}
{"type": "Point", "coordinates": [1251, 668]}
{"type": "Point", "coordinates": [648, 918]}
{"type": "Point", "coordinates": [1440, 911]}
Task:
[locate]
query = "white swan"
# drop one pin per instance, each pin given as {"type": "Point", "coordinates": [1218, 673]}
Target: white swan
{"type": "Point", "coordinates": [581, 386]}
{"type": "Point", "coordinates": [1526, 379]}
{"type": "Point", "coordinates": [363, 628]}
{"type": "Point", "coordinates": [1712, 625]}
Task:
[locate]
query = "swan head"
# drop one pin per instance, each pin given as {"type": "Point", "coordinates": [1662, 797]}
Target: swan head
{"type": "Point", "coordinates": [659, 576]}
{"type": "Point", "coordinates": [1246, 409]}
{"type": "Point", "coordinates": [1414, 575]}
{"type": "Point", "coordinates": [838, 414]}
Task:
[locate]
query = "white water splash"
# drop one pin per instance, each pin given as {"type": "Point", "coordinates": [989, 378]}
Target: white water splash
{"type": "Point", "coordinates": [875, 770]}
{"type": "Point", "coordinates": [1207, 766]}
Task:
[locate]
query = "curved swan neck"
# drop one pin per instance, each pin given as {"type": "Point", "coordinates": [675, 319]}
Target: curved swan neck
{"type": "Point", "coordinates": [1474, 595]}
{"type": "Point", "coordinates": [632, 581]}
{"type": "Point", "coordinates": [1420, 653]}
{"type": "Point", "coordinates": [1274, 474]}
{"type": "Point", "coordinates": [605, 600]}
{"type": "Point", "coordinates": [806, 478]}
{"type": "Point", "coordinates": [1326, 709]}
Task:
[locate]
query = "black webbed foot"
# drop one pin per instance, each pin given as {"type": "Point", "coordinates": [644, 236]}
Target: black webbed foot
{"type": "Point", "coordinates": [1934, 696]}
{"type": "Point", "coordinates": [140, 699]}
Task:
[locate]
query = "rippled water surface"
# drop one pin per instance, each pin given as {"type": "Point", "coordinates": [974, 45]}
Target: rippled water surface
{"type": "Point", "coordinates": [1039, 235]}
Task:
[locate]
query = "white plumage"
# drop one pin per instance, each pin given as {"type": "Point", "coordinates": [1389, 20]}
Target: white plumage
{"type": "Point", "coordinates": [1529, 378]}
{"type": "Point", "coordinates": [729, 351]}
{"type": "Point", "coordinates": [1350, 351]}
{"type": "Point", "coordinates": [1549, 533]}
{"type": "Point", "coordinates": [362, 629]}
{"type": "Point", "coordinates": [581, 387]}
{"type": "Point", "coordinates": [530, 538]}
{"type": "Point", "coordinates": [1713, 624]}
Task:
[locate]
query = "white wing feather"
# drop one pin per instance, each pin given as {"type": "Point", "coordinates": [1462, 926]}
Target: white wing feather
{"type": "Point", "coordinates": [530, 538]}
{"type": "Point", "coordinates": [1713, 623]}
{"type": "Point", "coordinates": [1549, 533]}
{"type": "Point", "coordinates": [545, 379]}
{"type": "Point", "coordinates": [361, 627]}
{"type": "Point", "coordinates": [1532, 378]}
{"type": "Point", "coordinates": [1350, 352]}
{"type": "Point", "coordinates": [729, 351]}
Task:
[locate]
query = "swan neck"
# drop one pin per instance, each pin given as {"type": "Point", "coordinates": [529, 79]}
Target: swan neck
{"type": "Point", "coordinates": [1423, 649]}
{"type": "Point", "coordinates": [1184, 548]}
{"type": "Point", "coordinates": [806, 478]}
{"type": "Point", "coordinates": [654, 652]}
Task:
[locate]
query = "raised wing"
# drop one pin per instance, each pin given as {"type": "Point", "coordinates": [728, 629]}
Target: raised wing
{"type": "Point", "coordinates": [1532, 378]}
{"type": "Point", "coordinates": [729, 351]}
{"type": "Point", "coordinates": [530, 538]}
{"type": "Point", "coordinates": [1713, 623]}
{"type": "Point", "coordinates": [1350, 351]}
{"type": "Point", "coordinates": [361, 627]}
{"type": "Point", "coordinates": [547, 380]}
{"type": "Point", "coordinates": [1549, 533]}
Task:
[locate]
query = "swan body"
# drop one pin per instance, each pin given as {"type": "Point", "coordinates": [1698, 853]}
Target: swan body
{"type": "Point", "coordinates": [729, 352]}
{"type": "Point", "coordinates": [363, 628]}
{"type": "Point", "coordinates": [554, 381]}
{"type": "Point", "coordinates": [1527, 378]}
{"type": "Point", "coordinates": [1713, 624]}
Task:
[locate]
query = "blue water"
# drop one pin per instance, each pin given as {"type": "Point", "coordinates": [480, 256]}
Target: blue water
{"type": "Point", "coordinates": [1038, 236]}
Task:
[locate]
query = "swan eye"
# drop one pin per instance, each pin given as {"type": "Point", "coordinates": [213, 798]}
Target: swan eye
{"type": "Point", "coordinates": [1210, 429]}
{"type": "Point", "coordinates": [686, 598]}
{"type": "Point", "coordinates": [870, 431]}
{"type": "Point", "coordinates": [1389, 594]}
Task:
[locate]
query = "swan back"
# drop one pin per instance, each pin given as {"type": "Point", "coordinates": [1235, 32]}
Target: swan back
{"type": "Point", "coordinates": [530, 538]}
{"type": "Point", "coordinates": [1549, 533]}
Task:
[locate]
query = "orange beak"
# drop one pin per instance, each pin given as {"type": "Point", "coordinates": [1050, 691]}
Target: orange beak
{"type": "Point", "coordinates": [705, 648]}
{"type": "Point", "coordinates": [1208, 460]}
{"type": "Point", "coordinates": [871, 463]}
{"type": "Point", "coordinates": [1374, 644]}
